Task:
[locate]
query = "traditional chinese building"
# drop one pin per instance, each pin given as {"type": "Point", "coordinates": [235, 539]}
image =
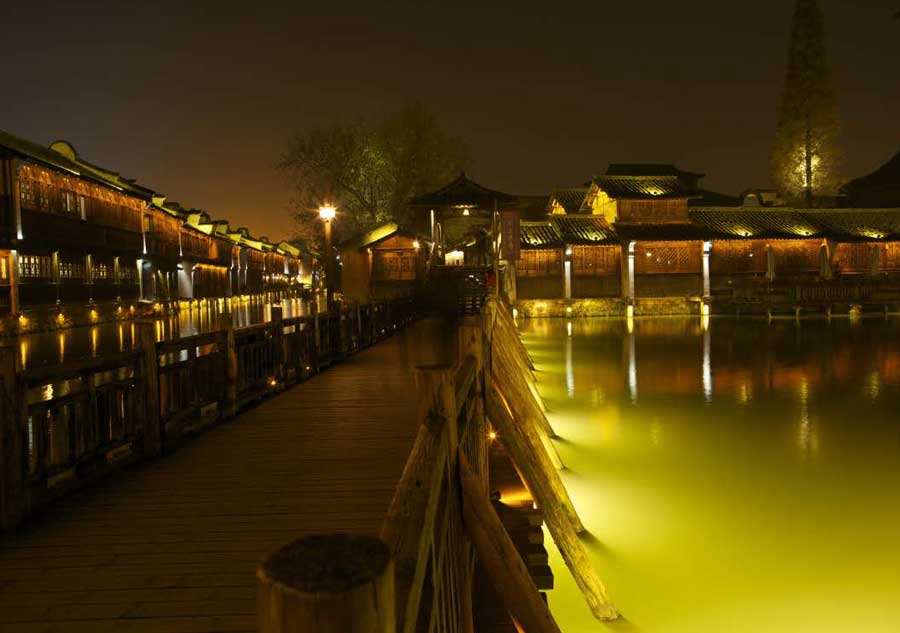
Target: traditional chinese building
{"type": "Point", "coordinates": [384, 263]}
{"type": "Point", "coordinates": [77, 239]}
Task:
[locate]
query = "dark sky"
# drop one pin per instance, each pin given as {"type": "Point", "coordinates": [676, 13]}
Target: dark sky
{"type": "Point", "coordinates": [197, 100]}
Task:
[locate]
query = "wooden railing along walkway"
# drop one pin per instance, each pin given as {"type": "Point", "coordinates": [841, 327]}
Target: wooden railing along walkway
{"type": "Point", "coordinates": [418, 575]}
{"type": "Point", "coordinates": [66, 425]}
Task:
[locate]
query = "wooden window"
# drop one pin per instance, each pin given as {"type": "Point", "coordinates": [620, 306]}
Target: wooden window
{"type": "Point", "coordinates": [27, 190]}
{"type": "Point", "coordinates": [70, 203]}
{"type": "Point", "coordinates": [71, 268]}
{"type": "Point", "coordinates": [148, 224]}
{"type": "Point", "coordinates": [853, 258]}
{"type": "Point", "coordinates": [667, 257]}
{"type": "Point", "coordinates": [796, 255]}
{"type": "Point", "coordinates": [4, 267]}
{"type": "Point", "coordinates": [890, 259]}
{"type": "Point", "coordinates": [128, 272]}
{"type": "Point", "coordinates": [35, 266]}
{"type": "Point", "coordinates": [737, 256]}
{"type": "Point", "coordinates": [539, 263]}
{"type": "Point", "coordinates": [100, 271]}
{"type": "Point", "coordinates": [394, 265]}
{"type": "Point", "coordinates": [595, 261]}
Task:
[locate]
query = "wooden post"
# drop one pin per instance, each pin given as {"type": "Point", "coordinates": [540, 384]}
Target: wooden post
{"type": "Point", "coordinates": [229, 408]}
{"type": "Point", "coordinates": [499, 557]}
{"type": "Point", "coordinates": [548, 490]}
{"type": "Point", "coordinates": [415, 501]}
{"type": "Point", "coordinates": [336, 583]}
{"type": "Point", "coordinates": [13, 419]}
{"type": "Point", "coordinates": [153, 433]}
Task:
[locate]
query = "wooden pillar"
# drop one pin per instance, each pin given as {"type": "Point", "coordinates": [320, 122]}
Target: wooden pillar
{"type": "Point", "coordinates": [14, 306]}
{"type": "Point", "coordinates": [770, 263]}
{"type": "Point", "coordinates": [13, 421]}
{"type": "Point", "coordinates": [229, 408]}
{"type": "Point", "coordinates": [335, 583]}
{"type": "Point", "coordinates": [153, 433]}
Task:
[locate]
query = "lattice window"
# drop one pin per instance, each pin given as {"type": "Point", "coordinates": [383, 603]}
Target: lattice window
{"type": "Point", "coordinates": [100, 271]}
{"type": "Point", "coordinates": [71, 267]}
{"type": "Point", "coordinates": [394, 265]}
{"type": "Point", "coordinates": [35, 266]}
{"type": "Point", "coordinates": [796, 256]}
{"type": "Point", "coordinates": [853, 258]}
{"type": "Point", "coordinates": [543, 262]}
{"type": "Point", "coordinates": [729, 257]}
{"type": "Point", "coordinates": [596, 261]}
{"type": "Point", "coordinates": [890, 258]}
{"type": "Point", "coordinates": [4, 268]}
{"type": "Point", "coordinates": [128, 272]}
{"type": "Point", "coordinates": [667, 257]}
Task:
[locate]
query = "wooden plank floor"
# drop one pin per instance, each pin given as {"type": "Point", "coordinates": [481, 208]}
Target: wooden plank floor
{"type": "Point", "coordinates": [171, 545]}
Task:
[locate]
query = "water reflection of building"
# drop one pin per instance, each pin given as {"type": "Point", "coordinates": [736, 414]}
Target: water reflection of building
{"type": "Point", "coordinates": [731, 359]}
{"type": "Point", "coordinates": [79, 243]}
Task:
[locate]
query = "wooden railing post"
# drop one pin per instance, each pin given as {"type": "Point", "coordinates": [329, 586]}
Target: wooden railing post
{"type": "Point", "coordinates": [337, 583]}
{"type": "Point", "coordinates": [229, 408]}
{"type": "Point", "coordinates": [13, 418]}
{"type": "Point", "coordinates": [153, 434]}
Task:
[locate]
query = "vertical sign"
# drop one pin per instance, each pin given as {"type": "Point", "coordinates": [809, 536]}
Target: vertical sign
{"type": "Point", "coordinates": [509, 230]}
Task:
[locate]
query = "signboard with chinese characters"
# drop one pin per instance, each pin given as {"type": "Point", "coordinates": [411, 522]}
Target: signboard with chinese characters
{"type": "Point", "coordinates": [509, 232]}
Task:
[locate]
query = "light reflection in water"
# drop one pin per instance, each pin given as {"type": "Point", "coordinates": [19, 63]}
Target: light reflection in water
{"type": "Point", "coordinates": [702, 517]}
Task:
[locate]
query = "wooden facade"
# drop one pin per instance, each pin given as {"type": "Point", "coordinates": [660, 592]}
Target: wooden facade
{"type": "Point", "coordinates": [385, 263]}
{"type": "Point", "coordinates": [73, 234]}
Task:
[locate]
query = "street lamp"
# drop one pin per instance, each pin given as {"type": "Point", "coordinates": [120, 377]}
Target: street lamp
{"type": "Point", "coordinates": [327, 213]}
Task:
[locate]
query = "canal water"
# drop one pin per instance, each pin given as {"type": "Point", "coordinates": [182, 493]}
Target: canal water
{"type": "Point", "coordinates": [735, 475]}
{"type": "Point", "coordinates": [78, 343]}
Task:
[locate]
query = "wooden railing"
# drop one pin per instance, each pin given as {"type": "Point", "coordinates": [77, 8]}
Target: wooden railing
{"type": "Point", "coordinates": [66, 425]}
{"type": "Point", "coordinates": [418, 576]}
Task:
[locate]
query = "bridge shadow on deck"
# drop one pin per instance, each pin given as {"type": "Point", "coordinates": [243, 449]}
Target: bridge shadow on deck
{"type": "Point", "coordinates": [172, 546]}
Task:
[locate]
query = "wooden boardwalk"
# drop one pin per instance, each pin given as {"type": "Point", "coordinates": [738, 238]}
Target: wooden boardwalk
{"type": "Point", "coordinates": [172, 545]}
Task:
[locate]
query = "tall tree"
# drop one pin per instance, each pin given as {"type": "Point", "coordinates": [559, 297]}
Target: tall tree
{"type": "Point", "coordinates": [807, 154]}
{"type": "Point", "coordinates": [369, 168]}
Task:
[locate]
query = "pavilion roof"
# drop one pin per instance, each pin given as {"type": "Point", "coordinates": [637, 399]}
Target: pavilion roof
{"type": "Point", "coordinates": [880, 188]}
{"type": "Point", "coordinates": [464, 192]}
{"type": "Point", "coordinates": [583, 230]}
{"type": "Point", "coordinates": [570, 199]}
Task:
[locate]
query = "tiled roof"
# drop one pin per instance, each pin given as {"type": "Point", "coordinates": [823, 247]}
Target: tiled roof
{"type": "Point", "coordinates": [584, 229]}
{"type": "Point", "coordinates": [753, 222]}
{"type": "Point", "coordinates": [880, 188]}
{"type": "Point", "coordinates": [644, 187]}
{"type": "Point", "coordinates": [539, 235]}
{"type": "Point", "coordinates": [463, 192]}
{"type": "Point", "coordinates": [570, 199]}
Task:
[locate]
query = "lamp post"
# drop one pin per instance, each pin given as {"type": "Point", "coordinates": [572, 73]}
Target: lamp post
{"type": "Point", "coordinates": [327, 213]}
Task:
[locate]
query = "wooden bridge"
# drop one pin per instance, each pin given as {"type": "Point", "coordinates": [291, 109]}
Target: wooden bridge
{"type": "Point", "coordinates": [370, 447]}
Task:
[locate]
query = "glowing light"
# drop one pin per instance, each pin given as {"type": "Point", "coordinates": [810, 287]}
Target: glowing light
{"type": "Point", "coordinates": [416, 244]}
{"type": "Point", "coordinates": [465, 212]}
{"type": "Point", "coordinates": [492, 435]}
{"type": "Point", "coordinates": [327, 212]}
{"type": "Point", "coordinates": [515, 313]}
{"type": "Point", "coordinates": [60, 319]}
{"type": "Point", "coordinates": [94, 315]}
{"type": "Point", "coordinates": [569, 328]}
{"type": "Point", "coordinates": [23, 320]}
{"type": "Point", "coordinates": [273, 382]}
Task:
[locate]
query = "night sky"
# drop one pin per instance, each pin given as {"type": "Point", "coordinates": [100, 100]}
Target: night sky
{"type": "Point", "coordinates": [198, 101]}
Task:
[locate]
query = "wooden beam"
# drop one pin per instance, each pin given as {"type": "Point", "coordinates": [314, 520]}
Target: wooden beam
{"type": "Point", "coordinates": [548, 490]}
{"type": "Point", "coordinates": [328, 584]}
{"type": "Point", "coordinates": [499, 557]}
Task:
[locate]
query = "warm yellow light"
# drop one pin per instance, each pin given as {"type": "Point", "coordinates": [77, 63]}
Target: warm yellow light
{"type": "Point", "coordinates": [416, 244]}
{"type": "Point", "coordinates": [23, 320]}
{"type": "Point", "coordinates": [492, 435]}
{"type": "Point", "coordinates": [327, 212]}
{"type": "Point", "coordinates": [94, 315]}
{"type": "Point", "coordinates": [60, 318]}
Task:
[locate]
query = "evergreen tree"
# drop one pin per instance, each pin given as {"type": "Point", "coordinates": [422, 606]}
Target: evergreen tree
{"type": "Point", "coordinates": [806, 157]}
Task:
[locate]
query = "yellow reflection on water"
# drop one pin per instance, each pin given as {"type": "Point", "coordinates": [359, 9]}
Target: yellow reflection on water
{"type": "Point", "coordinates": [61, 338]}
{"type": "Point", "coordinates": [23, 352]}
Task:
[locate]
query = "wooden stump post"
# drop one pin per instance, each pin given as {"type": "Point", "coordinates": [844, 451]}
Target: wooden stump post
{"type": "Point", "coordinates": [229, 410]}
{"type": "Point", "coordinates": [13, 417]}
{"type": "Point", "coordinates": [153, 432]}
{"type": "Point", "coordinates": [336, 583]}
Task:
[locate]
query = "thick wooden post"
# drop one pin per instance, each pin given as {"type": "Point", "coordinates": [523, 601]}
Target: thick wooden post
{"type": "Point", "coordinates": [415, 502]}
{"type": "Point", "coordinates": [229, 408]}
{"type": "Point", "coordinates": [153, 433]}
{"type": "Point", "coordinates": [499, 557]}
{"type": "Point", "coordinates": [13, 418]}
{"type": "Point", "coordinates": [548, 490]}
{"type": "Point", "coordinates": [337, 583]}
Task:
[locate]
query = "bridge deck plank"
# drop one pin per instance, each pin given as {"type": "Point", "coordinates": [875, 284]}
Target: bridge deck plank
{"type": "Point", "coordinates": [172, 545]}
